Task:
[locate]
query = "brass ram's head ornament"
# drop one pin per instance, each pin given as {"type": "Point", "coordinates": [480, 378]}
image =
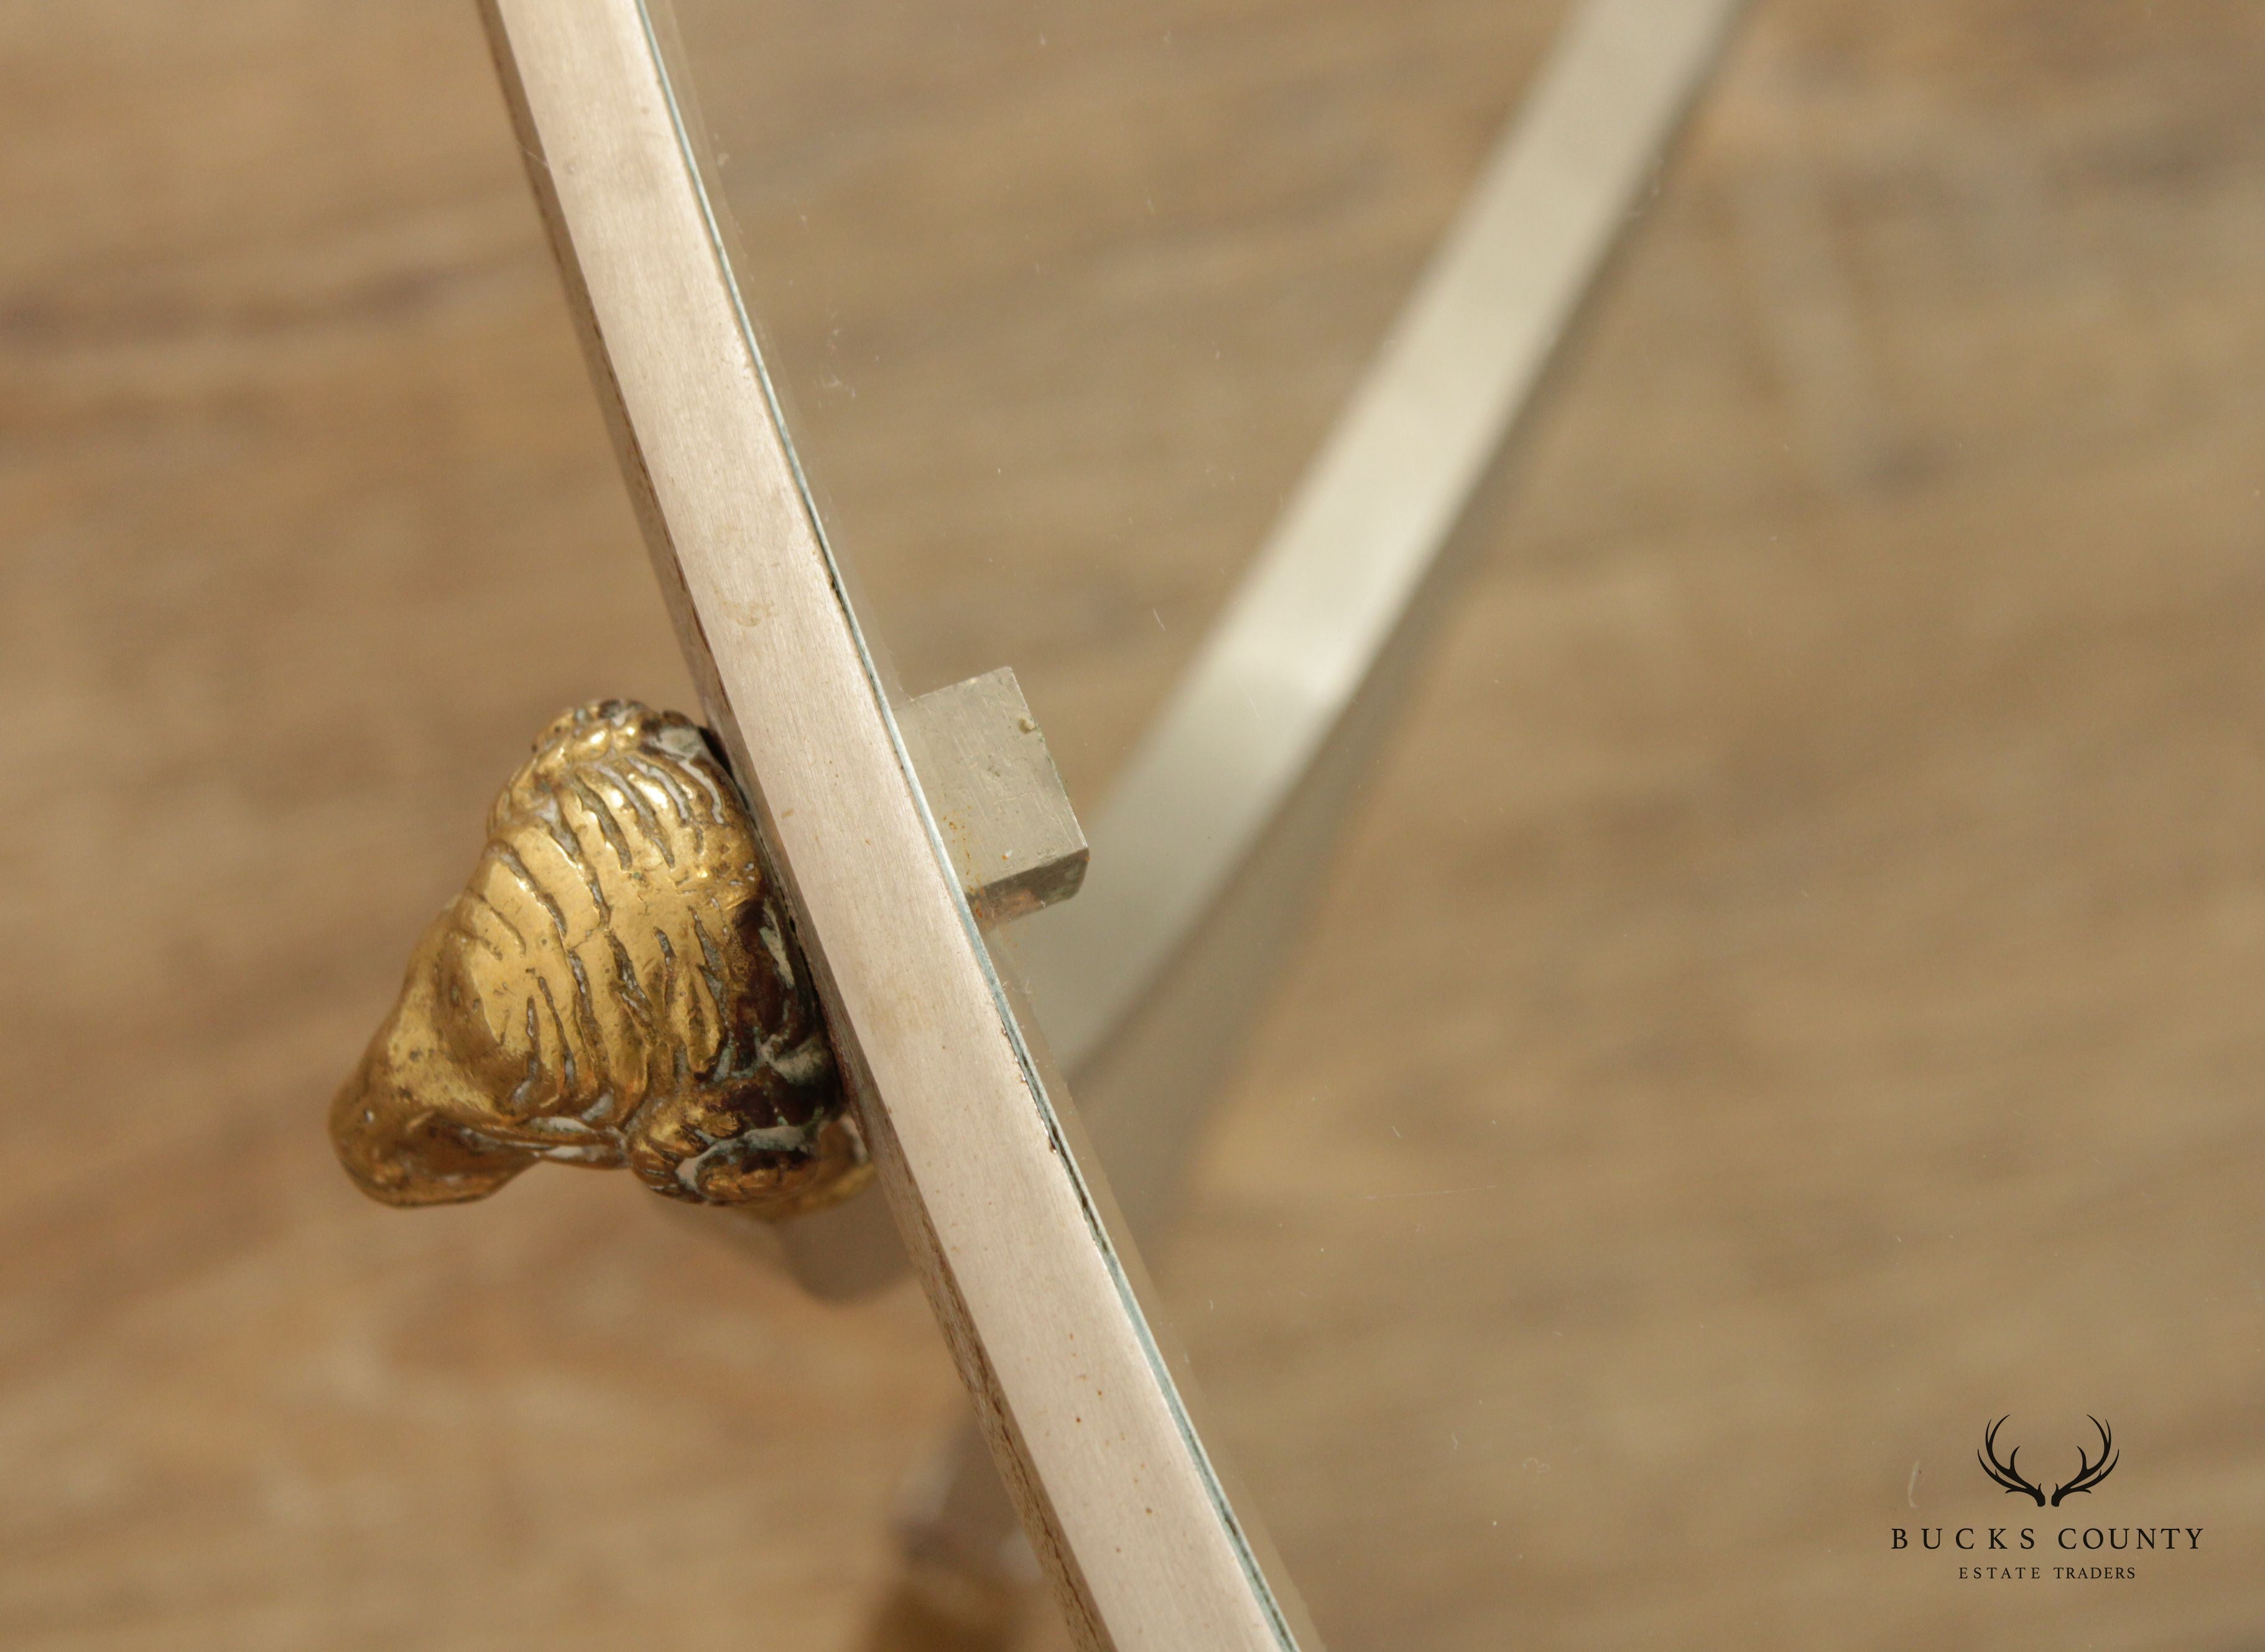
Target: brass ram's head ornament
{"type": "Point", "coordinates": [615, 985]}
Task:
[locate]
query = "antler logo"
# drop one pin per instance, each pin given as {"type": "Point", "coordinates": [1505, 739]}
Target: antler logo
{"type": "Point", "coordinates": [2007, 1474]}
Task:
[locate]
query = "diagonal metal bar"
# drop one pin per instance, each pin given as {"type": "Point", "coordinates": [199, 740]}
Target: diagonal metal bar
{"type": "Point", "coordinates": [1342, 568]}
{"type": "Point", "coordinates": [1225, 816]}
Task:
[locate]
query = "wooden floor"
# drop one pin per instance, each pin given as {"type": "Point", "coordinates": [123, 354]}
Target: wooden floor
{"type": "Point", "coordinates": [1796, 992]}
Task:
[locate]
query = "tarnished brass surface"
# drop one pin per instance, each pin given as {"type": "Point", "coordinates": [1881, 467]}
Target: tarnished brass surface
{"type": "Point", "coordinates": [615, 985]}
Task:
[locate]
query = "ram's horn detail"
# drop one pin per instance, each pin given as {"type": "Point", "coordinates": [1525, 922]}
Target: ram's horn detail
{"type": "Point", "coordinates": [616, 985]}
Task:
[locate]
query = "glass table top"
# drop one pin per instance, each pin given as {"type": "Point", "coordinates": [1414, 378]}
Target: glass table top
{"type": "Point", "coordinates": [1785, 994]}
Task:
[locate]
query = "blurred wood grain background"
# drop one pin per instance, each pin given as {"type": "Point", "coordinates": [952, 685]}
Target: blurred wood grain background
{"type": "Point", "coordinates": [1794, 992]}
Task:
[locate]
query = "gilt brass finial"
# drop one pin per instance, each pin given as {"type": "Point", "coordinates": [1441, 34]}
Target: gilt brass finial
{"type": "Point", "coordinates": [616, 984]}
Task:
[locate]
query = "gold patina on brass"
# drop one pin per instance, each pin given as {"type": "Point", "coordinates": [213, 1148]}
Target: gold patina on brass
{"type": "Point", "coordinates": [615, 985]}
